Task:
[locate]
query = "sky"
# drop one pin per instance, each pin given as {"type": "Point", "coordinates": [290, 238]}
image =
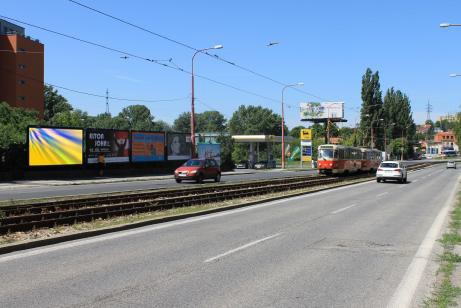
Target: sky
{"type": "Point", "coordinates": [327, 45]}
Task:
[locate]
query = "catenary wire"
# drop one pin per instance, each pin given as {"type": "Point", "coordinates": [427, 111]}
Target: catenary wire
{"type": "Point", "coordinates": [143, 58]}
{"type": "Point", "coordinates": [191, 48]}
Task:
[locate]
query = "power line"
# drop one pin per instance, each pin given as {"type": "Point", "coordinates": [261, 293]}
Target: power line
{"type": "Point", "coordinates": [158, 62]}
{"type": "Point", "coordinates": [190, 47]}
{"type": "Point", "coordinates": [94, 94]}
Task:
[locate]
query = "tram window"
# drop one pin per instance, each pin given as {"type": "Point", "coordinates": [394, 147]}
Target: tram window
{"type": "Point", "coordinates": [326, 153]}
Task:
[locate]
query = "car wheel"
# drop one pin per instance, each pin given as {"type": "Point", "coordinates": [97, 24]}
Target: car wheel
{"type": "Point", "coordinates": [178, 180]}
{"type": "Point", "coordinates": [218, 178]}
{"type": "Point", "coordinates": [200, 178]}
{"type": "Point", "coordinates": [378, 180]}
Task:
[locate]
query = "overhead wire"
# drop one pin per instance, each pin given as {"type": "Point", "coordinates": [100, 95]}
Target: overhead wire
{"type": "Point", "coordinates": [191, 47]}
{"type": "Point", "coordinates": [94, 94]}
{"type": "Point", "coordinates": [158, 62]}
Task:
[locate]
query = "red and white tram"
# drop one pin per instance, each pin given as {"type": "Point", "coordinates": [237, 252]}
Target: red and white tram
{"type": "Point", "coordinates": [340, 159]}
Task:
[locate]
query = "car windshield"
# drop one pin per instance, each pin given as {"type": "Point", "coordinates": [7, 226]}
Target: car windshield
{"type": "Point", "coordinates": [389, 165]}
{"type": "Point", "coordinates": [326, 153]}
{"type": "Point", "coordinates": [193, 163]}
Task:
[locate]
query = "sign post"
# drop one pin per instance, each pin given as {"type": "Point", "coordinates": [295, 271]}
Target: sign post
{"type": "Point", "coordinates": [306, 145]}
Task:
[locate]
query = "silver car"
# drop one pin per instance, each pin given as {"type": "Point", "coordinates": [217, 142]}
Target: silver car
{"type": "Point", "coordinates": [391, 170]}
{"type": "Point", "coordinates": [451, 164]}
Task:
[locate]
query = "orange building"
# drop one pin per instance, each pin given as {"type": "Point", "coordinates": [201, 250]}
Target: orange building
{"type": "Point", "coordinates": [21, 68]}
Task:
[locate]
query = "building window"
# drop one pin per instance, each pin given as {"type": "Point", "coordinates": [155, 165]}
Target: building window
{"type": "Point", "coordinates": [21, 66]}
{"type": "Point", "coordinates": [22, 82]}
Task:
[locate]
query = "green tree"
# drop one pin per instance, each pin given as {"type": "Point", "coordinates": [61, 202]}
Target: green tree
{"type": "Point", "coordinates": [54, 103]}
{"type": "Point", "coordinates": [135, 117]}
{"type": "Point", "coordinates": [162, 126]}
{"type": "Point", "coordinates": [13, 124]}
{"type": "Point", "coordinates": [295, 132]}
{"type": "Point", "coordinates": [73, 118]}
{"type": "Point", "coordinates": [182, 123]}
{"type": "Point", "coordinates": [210, 122]}
{"type": "Point", "coordinates": [254, 120]}
{"type": "Point", "coordinates": [370, 112]}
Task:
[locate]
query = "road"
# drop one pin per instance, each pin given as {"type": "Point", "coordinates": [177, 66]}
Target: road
{"type": "Point", "coordinates": [347, 247]}
{"type": "Point", "coordinates": [39, 189]}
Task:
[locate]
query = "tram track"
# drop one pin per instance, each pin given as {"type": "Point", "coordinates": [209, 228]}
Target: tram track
{"type": "Point", "coordinates": [49, 214]}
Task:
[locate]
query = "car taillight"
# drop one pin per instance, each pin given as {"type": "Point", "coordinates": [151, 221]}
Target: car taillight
{"type": "Point", "coordinates": [398, 170]}
{"type": "Point", "coordinates": [380, 169]}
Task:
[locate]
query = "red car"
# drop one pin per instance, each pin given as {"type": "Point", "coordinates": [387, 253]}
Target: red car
{"type": "Point", "coordinates": [198, 170]}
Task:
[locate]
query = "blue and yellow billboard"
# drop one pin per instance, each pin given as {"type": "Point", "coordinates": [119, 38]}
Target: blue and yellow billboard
{"type": "Point", "coordinates": [55, 146]}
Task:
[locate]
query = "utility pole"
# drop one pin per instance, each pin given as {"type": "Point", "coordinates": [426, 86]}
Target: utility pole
{"type": "Point", "coordinates": [107, 101]}
{"type": "Point", "coordinates": [428, 111]}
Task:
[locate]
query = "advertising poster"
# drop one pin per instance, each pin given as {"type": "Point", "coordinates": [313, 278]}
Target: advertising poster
{"type": "Point", "coordinates": [147, 146]}
{"type": "Point", "coordinates": [114, 145]}
{"type": "Point", "coordinates": [318, 111]}
{"type": "Point", "coordinates": [306, 134]}
{"type": "Point", "coordinates": [179, 146]}
{"type": "Point", "coordinates": [208, 150]}
{"type": "Point", "coordinates": [55, 146]}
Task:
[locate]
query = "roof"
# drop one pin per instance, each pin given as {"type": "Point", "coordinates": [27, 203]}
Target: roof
{"type": "Point", "coordinates": [261, 138]}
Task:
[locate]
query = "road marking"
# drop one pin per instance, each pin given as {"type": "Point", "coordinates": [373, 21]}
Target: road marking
{"type": "Point", "coordinates": [343, 209]}
{"type": "Point", "coordinates": [404, 293]}
{"type": "Point", "coordinates": [383, 194]}
{"type": "Point", "coordinates": [414, 181]}
{"type": "Point", "coordinates": [241, 248]}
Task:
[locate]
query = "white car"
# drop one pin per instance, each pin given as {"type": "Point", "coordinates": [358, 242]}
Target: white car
{"type": "Point", "coordinates": [451, 164]}
{"type": "Point", "coordinates": [391, 170]}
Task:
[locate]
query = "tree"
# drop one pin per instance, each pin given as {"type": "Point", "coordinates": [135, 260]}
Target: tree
{"type": "Point", "coordinates": [54, 103]}
{"type": "Point", "coordinates": [370, 112]}
{"type": "Point", "coordinates": [295, 132]}
{"type": "Point", "coordinates": [135, 117]}
{"type": "Point", "coordinates": [73, 118]}
{"type": "Point", "coordinates": [13, 124]}
{"type": "Point", "coordinates": [254, 120]}
{"type": "Point", "coordinates": [162, 126]}
{"type": "Point", "coordinates": [182, 123]}
{"type": "Point", "coordinates": [210, 122]}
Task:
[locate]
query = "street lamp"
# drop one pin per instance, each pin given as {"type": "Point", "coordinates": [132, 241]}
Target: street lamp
{"type": "Point", "coordinates": [372, 145]}
{"type": "Point", "coordinates": [192, 114]}
{"type": "Point", "coordinates": [403, 128]}
{"type": "Point", "coordinates": [447, 25]}
{"type": "Point", "coordinates": [299, 84]}
{"type": "Point", "coordinates": [385, 138]}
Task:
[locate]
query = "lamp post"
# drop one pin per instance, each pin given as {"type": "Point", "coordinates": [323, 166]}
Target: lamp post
{"type": "Point", "coordinates": [447, 25]}
{"type": "Point", "coordinates": [385, 138]}
{"type": "Point", "coordinates": [283, 120]}
{"type": "Point", "coordinates": [403, 128]}
{"type": "Point", "coordinates": [192, 114]}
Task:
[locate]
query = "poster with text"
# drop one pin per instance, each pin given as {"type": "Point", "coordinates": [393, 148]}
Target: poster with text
{"type": "Point", "coordinates": [55, 146]}
{"type": "Point", "coordinates": [113, 144]}
{"type": "Point", "coordinates": [147, 146]}
{"type": "Point", "coordinates": [179, 146]}
{"type": "Point", "coordinates": [208, 150]}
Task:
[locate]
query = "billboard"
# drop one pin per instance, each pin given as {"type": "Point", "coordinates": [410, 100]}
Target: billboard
{"type": "Point", "coordinates": [209, 150]}
{"type": "Point", "coordinates": [179, 146]}
{"type": "Point", "coordinates": [113, 144]}
{"type": "Point", "coordinates": [147, 146]}
{"type": "Point", "coordinates": [321, 111]}
{"type": "Point", "coordinates": [55, 146]}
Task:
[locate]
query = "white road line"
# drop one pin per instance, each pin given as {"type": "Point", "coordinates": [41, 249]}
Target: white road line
{"type": "Point", "coordinates": [241, 248]}
{"type": "Point", "coordinates": [381, 195]}
{"type": "Point", "coordinates": [343, 209]}
{"type": "Point", "coordinates": [404, 293]}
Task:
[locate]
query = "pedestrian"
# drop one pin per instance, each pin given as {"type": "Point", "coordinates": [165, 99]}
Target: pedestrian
{"type": "Point", "coordinates": [101, 163]}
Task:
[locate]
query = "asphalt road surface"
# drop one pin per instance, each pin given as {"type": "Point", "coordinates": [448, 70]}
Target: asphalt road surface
{"type": "Point", "coordinates": [348, 247]}
{"type": "Point", "coordinates": [39, 189]}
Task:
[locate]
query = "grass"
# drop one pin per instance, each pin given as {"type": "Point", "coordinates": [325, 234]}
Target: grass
{"type": "Point", "coordinates": [446, 293]}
